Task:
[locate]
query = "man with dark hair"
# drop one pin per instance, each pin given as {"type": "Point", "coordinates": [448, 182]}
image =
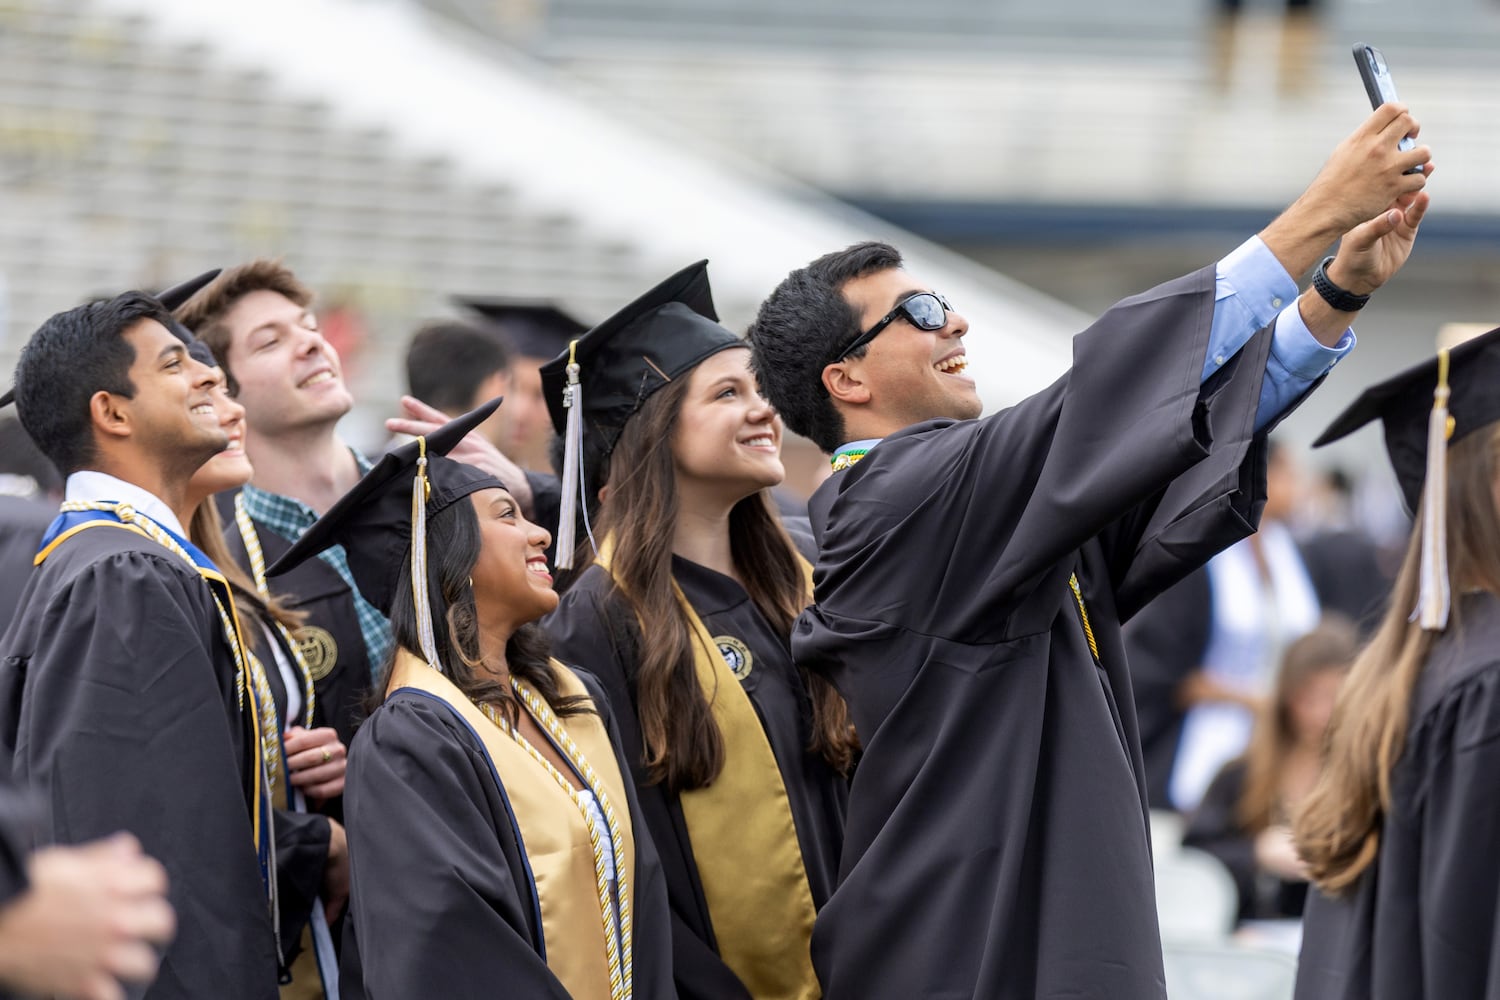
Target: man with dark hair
{"type": "Point", "coordinates": [123, 696]}
{"type": "Point", "coordinates": [455, 367]}
{"type": "Point", "coordinates": [973, 574]}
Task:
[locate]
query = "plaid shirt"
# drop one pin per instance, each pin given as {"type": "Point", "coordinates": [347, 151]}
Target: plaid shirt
{"type": "Point", "coordinates": [290, 519]}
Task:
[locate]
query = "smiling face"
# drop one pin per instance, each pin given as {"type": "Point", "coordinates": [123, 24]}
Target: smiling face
{"type": "Point", "coordinates": [171, 415]}
{"type": "Point", "coordinates": [727, 441]}
{"type": "Point", "coordinates": [230, 468]}
{"type": "Point", "coordinates": [511, 580]}
{"type": "Point", "coordinates": [288, 376]}
{"type": "Point", "coordinates": [907, 374]}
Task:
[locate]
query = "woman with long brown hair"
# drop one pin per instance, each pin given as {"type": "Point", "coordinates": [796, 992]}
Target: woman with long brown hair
{"type": "Point", "coordinates": [685, 612]}
{"type": "Point", "coordinates": [1244, 819]}
{"type": "Point", "coordinates": [1401, 834]}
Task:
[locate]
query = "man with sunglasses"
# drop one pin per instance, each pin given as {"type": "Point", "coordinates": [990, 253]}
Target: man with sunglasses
{"type": "Point", "coordinates": [973, 574]}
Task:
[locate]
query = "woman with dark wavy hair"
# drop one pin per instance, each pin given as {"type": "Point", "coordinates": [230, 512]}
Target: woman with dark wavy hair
{"type": "Point", "coordinates": [493, 835]}
{"type": "Point", "coordinates": [1400, 833]}
{"type": "Point", "coordinates": [685, 613]}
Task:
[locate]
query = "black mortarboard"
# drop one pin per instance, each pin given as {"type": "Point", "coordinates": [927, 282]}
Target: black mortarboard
{"type": "Point", "coordinates": [1403, 404]}
{"type": "Point", "coordinates": [532, 328]}
{"type": "Point", "coordinates": [1423, 409]}
{"type": "Point", "coordinates": [376, 521]}
{"type": "Point", "coordinates": [618, 364]}
{"type": "Point", "coordinates": [171, 297]}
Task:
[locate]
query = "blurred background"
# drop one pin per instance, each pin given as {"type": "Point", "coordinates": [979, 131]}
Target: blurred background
{"type": "Point", "coordinates": [1037, 161]}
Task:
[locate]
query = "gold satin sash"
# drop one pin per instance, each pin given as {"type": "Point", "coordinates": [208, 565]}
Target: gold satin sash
{"type": "Point", "coordinates": [744, 838]}
{"type": "Point", "coordinates": [553, 831]}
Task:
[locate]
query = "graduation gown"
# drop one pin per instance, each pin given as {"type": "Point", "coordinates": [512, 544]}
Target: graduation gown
{"type": "Point", "coordinates": [442, 900]}
{"type": "Point", "coordinates": [594, 626]}
{"type": "Point", "coordinates": [118, 703]}
{"type": "Point", "coordinates": [1423, 921]}
{"type": "Point", "coordinates": [22, 524]}
{"type": "Point", "coordinates": [997, 840]}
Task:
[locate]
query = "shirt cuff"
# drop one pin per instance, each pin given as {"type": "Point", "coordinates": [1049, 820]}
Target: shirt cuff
{"type": "Point", "coordinates": [1252, 273]}
{"type": "Point", "coordinates": [1297, 351]}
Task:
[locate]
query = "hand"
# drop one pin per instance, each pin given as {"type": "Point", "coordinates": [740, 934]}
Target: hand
{"type": "Point", "coordinates": [1198, 688]}
{"type": "Point", "coordinates": [475, 449]}
{"type": "Point", "coordinates": [336, 872]}
{"type": "Point", "coordinates": [315, 761]}
{"type": "Point", "coordinates": [1373, 251]}
{"type": "Point", "coordinates": [93, 916]}
{"type": "Point", "coordinates": [1367, 171]}
{"type": "Point", "coordinates": [1276, 852]}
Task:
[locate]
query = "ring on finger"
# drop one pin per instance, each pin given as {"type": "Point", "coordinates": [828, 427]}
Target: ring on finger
{"type": "Point", "coordinates": [327, 755]}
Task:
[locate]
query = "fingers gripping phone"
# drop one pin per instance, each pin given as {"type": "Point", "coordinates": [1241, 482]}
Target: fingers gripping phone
{"type": "Point", "coordinates": [1381, 88]}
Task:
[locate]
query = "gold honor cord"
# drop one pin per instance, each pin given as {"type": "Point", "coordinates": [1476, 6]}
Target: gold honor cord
{"type": "Point", "coordinates": [249, 680]}
{"type": "Point", "coordinates": [618, 945]}
{"type": "Point", "coordinates": [257, 555]}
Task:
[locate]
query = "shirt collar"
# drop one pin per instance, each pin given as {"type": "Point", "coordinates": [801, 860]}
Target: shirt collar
{"type": "Point", "coordinates": [96, 487]}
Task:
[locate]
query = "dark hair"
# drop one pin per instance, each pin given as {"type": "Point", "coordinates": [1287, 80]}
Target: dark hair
{"type": "Point", "coordinates": [71, 357]}
{"type": "Point", "coordinates": [453, 548]}
{"type": "Point", "coordinates": [19, 456]}
{"type": "Point", "coordinates": [683, 745]}
{"type": "Point", "coordinates": [204, 313]}
{"type": "Point", "coordinates": [448, 361]}
{"type": "Point", "coordinates": [799, 330]}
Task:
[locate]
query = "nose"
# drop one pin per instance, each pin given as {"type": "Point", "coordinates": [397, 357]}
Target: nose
{"type": "Point", "coordinates": [956, 326]}
{"type": "Point", "coordinates": [537, 536]}
{"type": "Point", "coordinates": [204, 376]}
{"type": "Point", "coordinates": [761, 410]}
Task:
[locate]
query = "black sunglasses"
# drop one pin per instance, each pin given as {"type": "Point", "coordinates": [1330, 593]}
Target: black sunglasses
{"type": "Point", "coordinates": [923, 310]}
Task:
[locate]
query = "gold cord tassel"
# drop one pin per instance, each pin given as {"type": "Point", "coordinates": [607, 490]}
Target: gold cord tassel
{"type": "Point", "coordinates": [1434, 599]}
{"type": "Point", "coordinates": [572, 469]}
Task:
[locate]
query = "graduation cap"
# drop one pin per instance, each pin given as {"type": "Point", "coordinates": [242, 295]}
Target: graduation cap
{"type": "Point", "coordinates": [603, 377]}
{"type": "Point", "coordinates": [1443, 399]}
{"type": "Point", "coordinates": [533, 327]}
{"type": "Point", "coordinates": [385, 516]}
{"type": "Point", "coordinates": [171, 298]}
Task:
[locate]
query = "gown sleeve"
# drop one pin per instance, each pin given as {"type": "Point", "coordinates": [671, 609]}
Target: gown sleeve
{"type": "Point", "coordinates": [437, 908]}
{"type": "Point", "coordinates": [122, 726]}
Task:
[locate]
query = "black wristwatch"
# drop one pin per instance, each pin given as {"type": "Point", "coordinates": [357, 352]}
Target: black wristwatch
{"type": "Point", "coordinates": [1338, 298]}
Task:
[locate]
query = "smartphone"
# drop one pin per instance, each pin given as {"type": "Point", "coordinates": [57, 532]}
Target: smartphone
{"type": "Point", "coordinates": [1379, 85]}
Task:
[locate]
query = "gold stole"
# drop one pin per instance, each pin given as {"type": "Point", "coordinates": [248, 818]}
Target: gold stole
{"type": "Point", "coordinates": [744, 839]}
{"type": "Point", "coordinates": [554, 834]}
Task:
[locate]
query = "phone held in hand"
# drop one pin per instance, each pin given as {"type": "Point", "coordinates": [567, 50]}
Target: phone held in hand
{"type": "Point", "coordinates": [1379, 85]}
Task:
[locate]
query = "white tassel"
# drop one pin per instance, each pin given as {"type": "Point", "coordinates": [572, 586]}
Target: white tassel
{"type": "Point", "coordinates": [420, 604]}
{"type": "Point", "coordinates": [572, 468]}
{"type": "Point", "coordinates": [1434, 599]}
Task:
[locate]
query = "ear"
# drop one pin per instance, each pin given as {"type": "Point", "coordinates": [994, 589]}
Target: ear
{"type": "Point", "coordinates": [603, 495]}
{"type": "Point", "coordinates": [110, 415]}
{"type": "Point", "coordinates": [844, 384]}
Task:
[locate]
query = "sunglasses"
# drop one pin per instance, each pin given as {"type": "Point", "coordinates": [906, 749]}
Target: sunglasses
{"type": "Point", "coordinates": [923, 310]}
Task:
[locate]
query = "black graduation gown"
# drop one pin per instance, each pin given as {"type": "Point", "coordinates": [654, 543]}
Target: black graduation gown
{"type": "Point", "coordinates": [1214, 827]}
{"type": "Point", "coordinates": [1423, 921]}
{"type": "Point", "coordinates": [997, 842]}
{"type": "Point", "coordinates": [22, 524]}
{"type": "Point", "coordinates": [316, 588]}
{"type": "Point", "coordinates": [1164, 643]}
{"type": "Point", "coordinates": [442, 903]}
{"type": "Point", "coordinates": [593, 626]}
{"type": "Point", "coordinates": [118, 703]}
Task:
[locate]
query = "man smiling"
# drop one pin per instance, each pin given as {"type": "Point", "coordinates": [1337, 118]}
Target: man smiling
{"type": "Point", "coordinates": [973, 574]}
{"type": "Point", "coordinates": [122, 696]}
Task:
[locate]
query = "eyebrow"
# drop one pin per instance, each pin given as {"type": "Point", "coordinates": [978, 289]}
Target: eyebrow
{"type": "Point", "coordinates": [906, 295]}
{"type": "Point", "coordinates": [175, 348]}
{"type": "Point", "coordinates": [305, 315]}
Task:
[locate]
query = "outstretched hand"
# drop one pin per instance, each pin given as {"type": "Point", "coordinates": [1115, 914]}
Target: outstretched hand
{"type": "Point", "coordinates": [1373, 251]}
{"type": "Point", "coordinates": [475, 449]}
{"type": "Point", "coordinates": [1368, 171]}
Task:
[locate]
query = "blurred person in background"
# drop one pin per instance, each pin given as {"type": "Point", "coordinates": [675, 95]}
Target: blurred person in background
{"type": "Point", "coordinates": [30, 490]}
{"type": "Point", "coordinates": [304, 764]}
{"type": "Point", "coordinates": [685, 614]}
{"type": "Point", "coordinates": [536, 332]}
{"type": "Point", "coordinates": [973, 574]}
{"type": "Point", "coordinates": [1244, 819]}
{"type": "Point", "coordinates": [496, 841]}
{"type": "Point", "coordinates": [1342, 559]}
{"type": "Point", "coordinates": [1203, 654]}
{"type": "Point", "coordinates": [123, 694]}
{"type": "Point", "coordinates": [1399, 832]}
{"type": "Point", "coordinates": [1297, 44]}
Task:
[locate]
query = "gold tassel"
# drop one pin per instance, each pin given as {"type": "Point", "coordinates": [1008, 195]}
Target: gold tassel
{"type": "Point", "coordinates": [1434, 599]}
{"type": "Point", "coordinates": [573, 485]}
